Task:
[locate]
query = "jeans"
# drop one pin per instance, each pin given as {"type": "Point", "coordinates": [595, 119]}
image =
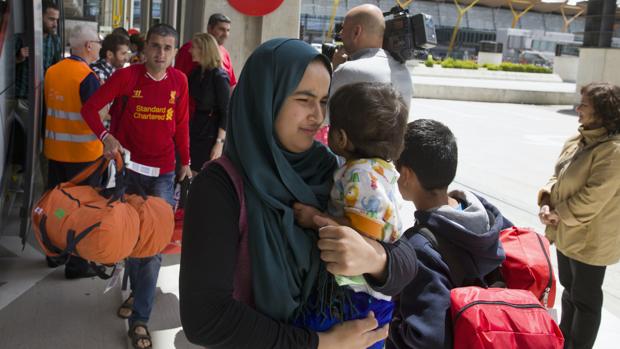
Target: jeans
{"type": "Point", "coordinates": [143, 272]}
{"type": "Point", "coordinates": [582, 301]}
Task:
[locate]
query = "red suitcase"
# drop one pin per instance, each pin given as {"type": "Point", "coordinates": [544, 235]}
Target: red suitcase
{"type": "Point", "coordinates": [528, 263]}
{"type": "Point", "coordinates": [501, 318]}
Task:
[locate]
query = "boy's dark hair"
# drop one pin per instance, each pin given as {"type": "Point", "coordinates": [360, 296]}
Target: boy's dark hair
{"type": "Point", "coordinates": [605, 99]}
{"type": "Point", "coordinates": [48, 4]}
{"type": "Point", "coordinates": [163, 29]}
{"type": "Point", "coordinates": [218, 18]}
{"type": "Point", "coordinates": [431, 153]}
{"type": "Point", "coordinates": [111, 43]}
{"type": "Point", "coordinates": [373, 115]}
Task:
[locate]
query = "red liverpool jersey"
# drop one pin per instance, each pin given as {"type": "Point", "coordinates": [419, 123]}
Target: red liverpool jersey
{"type": "Point", "coordinates": [149, 117]}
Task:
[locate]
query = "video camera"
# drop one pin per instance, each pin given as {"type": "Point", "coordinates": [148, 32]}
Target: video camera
{"type": "Point", "coordinates": [328, 49]}
{"type": "Point", "coordinates": [405, 33]}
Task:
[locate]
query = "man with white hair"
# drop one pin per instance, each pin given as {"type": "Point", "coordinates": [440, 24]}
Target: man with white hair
{"type": "Point", "coordinates": [69, 144]}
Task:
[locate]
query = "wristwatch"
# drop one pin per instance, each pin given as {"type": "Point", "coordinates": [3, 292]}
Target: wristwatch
{"type": "Point", "coordinates": [220, 140]}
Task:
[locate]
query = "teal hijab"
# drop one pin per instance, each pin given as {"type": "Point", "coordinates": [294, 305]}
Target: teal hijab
{"type": "Point", "coordinates": [284, 257]}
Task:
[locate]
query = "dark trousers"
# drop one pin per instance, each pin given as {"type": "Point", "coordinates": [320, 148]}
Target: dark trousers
{"type": "Point", "coordinates": [582, 301]}
{"type": "Point", "coordinates": [60, 172]}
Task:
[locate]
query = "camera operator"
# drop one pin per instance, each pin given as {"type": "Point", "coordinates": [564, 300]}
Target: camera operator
{"type": "Point", "coordinates": [361, 58]}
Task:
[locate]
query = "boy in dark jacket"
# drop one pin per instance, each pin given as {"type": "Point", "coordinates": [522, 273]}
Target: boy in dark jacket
{"type": "Point", "coordinates": [460, 222]}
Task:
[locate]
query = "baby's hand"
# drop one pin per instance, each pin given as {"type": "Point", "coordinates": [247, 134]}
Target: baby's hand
{"type": "Point", "coordinates": [304, 215]}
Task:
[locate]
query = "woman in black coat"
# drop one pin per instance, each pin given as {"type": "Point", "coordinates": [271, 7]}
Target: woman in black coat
{"type": "Point", "coordinates": [210, 90]}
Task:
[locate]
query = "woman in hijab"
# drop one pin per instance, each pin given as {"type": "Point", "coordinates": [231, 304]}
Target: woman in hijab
{"type": "Point", "coordinates": [275, 111]}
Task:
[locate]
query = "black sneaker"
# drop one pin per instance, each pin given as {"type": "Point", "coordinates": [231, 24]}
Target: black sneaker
{"type": "Point", "coordinates": [71, 273]}
{"type": "Point", "coordinates": [53, 262]}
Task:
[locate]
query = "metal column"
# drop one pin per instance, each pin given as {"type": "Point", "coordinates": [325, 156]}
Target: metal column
{"type": "Point", "coordinates": [599, 23]}
{"type": "Point", "coordinates": [459, 17]}
{"type": "Point", "coordinates": [516, 16]}
{"type": "Point", "coordinates": [145, 15]}
{"type": "Point", "coordinates": [34, 36]}
{"type": "Point", "coordinates": [169, 12]}
{"type": "Point", "coordinates": [568, 21]}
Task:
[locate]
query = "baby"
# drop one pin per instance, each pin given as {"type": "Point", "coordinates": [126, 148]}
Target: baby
{"type": "Point", "coordinates": [368, 122]}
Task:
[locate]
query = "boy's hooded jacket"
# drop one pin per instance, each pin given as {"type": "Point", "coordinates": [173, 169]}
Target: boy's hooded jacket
{"type": "Point", "coordinates": [422, 318]}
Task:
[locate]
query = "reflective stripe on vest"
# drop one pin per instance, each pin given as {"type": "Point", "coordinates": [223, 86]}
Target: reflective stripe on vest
{"type": "Point", "coordinates": [66, 115]}
{"type": "Point", "coordinates": [68, 137]}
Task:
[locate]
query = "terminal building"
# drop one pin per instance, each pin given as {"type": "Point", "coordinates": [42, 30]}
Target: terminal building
{"type": "Point", "coordinates": [539, 28]}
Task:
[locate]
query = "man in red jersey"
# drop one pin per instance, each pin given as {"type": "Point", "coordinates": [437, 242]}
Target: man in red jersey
{"type": "Point", "coordinates": [183, 60]}
{"type": "Point", "coordinates": [219, 27]}
{"type": "Point", "coordinates": [149, 118]}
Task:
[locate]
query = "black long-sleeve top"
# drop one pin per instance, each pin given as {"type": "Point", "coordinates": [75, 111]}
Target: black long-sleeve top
{"type": "Point", "coordinates": [209, 314]}
{"type": "Point", "coordinates": [211, 92]}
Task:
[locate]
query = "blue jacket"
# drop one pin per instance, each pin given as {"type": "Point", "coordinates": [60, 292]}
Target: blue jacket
{"type": "Point", "coordinates": [422, 317]}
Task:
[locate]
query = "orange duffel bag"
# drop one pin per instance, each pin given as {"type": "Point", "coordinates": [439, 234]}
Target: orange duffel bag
{"type": "Point", "coordinates": [77, 219]}
{"type": "Point", "coordinates": [156, 224]}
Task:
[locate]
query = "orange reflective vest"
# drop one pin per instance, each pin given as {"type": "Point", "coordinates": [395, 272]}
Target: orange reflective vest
{"type": "Point", "coordinates": [67, 137]}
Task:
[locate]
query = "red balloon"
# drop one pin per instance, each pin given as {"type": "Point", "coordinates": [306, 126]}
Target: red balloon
{"type": "Point", "coordinates": [254, 7]}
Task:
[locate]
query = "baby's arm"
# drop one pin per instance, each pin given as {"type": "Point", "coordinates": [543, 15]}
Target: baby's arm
{"type": "Point", "coordinates": [304, 215]}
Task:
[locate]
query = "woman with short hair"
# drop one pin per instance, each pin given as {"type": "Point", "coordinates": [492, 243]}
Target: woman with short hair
{"type": "Point", "coordinates": [581, 208]}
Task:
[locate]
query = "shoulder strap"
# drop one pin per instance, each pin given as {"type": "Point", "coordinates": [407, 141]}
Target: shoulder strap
{"type": "Point", "coordinates": [242, 284]}
{"type": "Point", "coordinates": [237, 181]}
{"type": "Point", "coordinates": [448, 253]}
{"type": "Point", "coordinates": [428, 235]}
{"type": "Point", "coordinates": [98, 166]}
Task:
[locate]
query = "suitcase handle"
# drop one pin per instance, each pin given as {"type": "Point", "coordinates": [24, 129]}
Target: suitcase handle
{"type": "Point", "coordinates": [99, 165]}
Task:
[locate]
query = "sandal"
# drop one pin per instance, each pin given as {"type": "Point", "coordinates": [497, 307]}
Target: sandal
{"type": "Point", "coordinates": [137, 339]}
{"type": "Point", "coordinates": [126, 309]}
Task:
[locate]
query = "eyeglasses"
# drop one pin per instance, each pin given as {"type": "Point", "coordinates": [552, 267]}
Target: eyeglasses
{"type": "Point", "coordinates": [96, 41]}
